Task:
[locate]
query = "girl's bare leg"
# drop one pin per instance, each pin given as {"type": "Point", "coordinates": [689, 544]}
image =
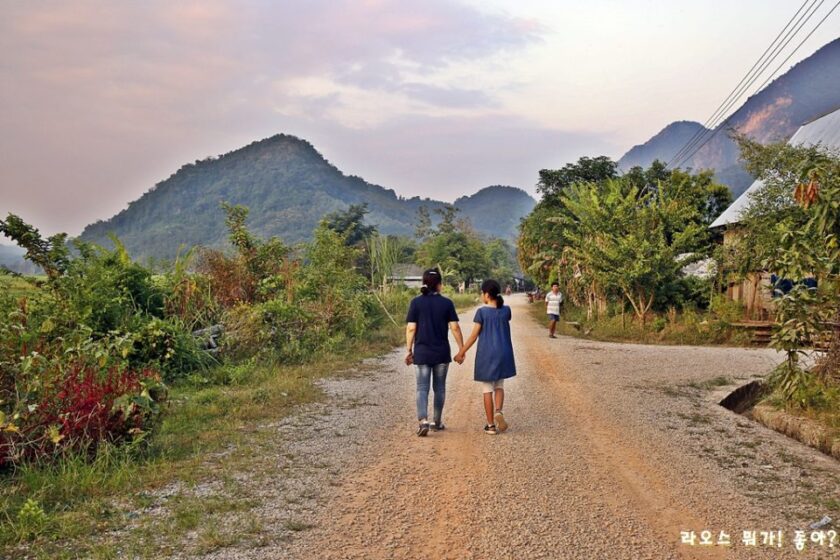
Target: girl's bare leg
{"type": "Point", "coordinates": [500, 399]}
{"type": "Point", "coordinates": [488, 407]}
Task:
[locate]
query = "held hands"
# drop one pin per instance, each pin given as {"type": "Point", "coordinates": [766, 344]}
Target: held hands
{"type": "Point", "coordinates": [459, 357]}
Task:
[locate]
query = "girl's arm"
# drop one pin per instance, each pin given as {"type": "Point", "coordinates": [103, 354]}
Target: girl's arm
{"type": "Point", "coordinates": [470, 341]}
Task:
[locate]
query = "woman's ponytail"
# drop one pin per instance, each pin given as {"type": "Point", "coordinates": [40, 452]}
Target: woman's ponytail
{"type": "Point", "coordinates": [431, 281]}
{"type": "Point", "coordinates": [492, 289]}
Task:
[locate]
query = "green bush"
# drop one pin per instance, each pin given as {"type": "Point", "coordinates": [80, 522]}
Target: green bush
{"type": "Point", "coordinates": [104, 290]}
{"type": "Point", "coordinates": [165, 345]}
{"type": "Point", "coordinates": [295, 333]}
{"type": "Point", "coordinates": [659, 324]}
{"type": "Point", "coordinates": [725, 309]}
{"type": "Point", "coordinates": [245, 333]}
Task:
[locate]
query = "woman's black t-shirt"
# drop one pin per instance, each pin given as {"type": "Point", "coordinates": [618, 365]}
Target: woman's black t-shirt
{"type": "Point", "coordinates": [432, 313]}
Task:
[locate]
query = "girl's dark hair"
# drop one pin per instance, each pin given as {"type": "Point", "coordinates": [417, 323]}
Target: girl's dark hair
{"type": "Point", "coordinates": [431, 280]}
{"type": "Point", "coordinates": [492, 289]}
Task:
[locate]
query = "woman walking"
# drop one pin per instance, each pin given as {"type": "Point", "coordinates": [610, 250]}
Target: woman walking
{"type": "Point", "coordinates": [430, 318]}
{"type": "Point", "coordinates": [494, 361]}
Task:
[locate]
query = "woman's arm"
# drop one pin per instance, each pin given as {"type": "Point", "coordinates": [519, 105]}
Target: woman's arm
{"type": "Point", "coordinates": [410, 332]}
{"type": "Point", "coordinates": [455, 327]}
{"type": "Point", "coordinates": [468, 344]}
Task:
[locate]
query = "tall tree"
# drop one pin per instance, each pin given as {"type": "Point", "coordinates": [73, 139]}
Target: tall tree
{"type": "Point", "coordinates": [448, 219]}
{"type": "Point", "coordinates": [456, 248]}
{"type": "Point", "coordinates": [51, 254]}
{"type": "Point", "coordinates": [423, 226]}
{"type": "Point", "coordinates": [586, 170]}
{"type": "Point", "coordinates": [350, 224]}
{"type": "Point", "coordinates": [630, 242]}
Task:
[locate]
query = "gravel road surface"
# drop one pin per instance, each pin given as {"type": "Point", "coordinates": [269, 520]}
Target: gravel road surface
{"type": "Point", "coordinates": [613, 451]}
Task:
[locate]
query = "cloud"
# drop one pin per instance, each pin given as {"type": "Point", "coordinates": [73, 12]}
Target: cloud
{"type": "Point", "coordinates": [107, 98]}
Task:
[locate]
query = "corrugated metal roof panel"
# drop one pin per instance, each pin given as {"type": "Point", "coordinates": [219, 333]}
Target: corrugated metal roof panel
{"type": "Point", "coordinates": [824, 131]}
{"type": "Point", "coordinates": [732, 215]}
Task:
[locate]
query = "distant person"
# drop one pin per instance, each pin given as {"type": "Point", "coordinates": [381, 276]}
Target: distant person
{"type": "Point", "coordinates": [494, 360]}
{"type": "Point", "coordinates": [430, 317]}
{"type": "Point", "coordinates": [553, 300]}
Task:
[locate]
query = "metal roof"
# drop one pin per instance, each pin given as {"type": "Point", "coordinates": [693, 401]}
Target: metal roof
{"type": "Point", "coordinates": [824, 131]}
{"type": "Point", "coordinates": [407, 271]}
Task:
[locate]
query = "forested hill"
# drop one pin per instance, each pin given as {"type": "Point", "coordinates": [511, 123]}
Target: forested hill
{"type": "Point", "coordinates": [807, 90]}
{"type": "Point", "coordinates": [289, 187]}
{"type": "Point", "coordinates": [662, 146]}
{"type": "Point", "coordinates": [496, 210]}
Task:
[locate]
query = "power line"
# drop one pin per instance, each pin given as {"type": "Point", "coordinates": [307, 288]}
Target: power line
{"type": "Point", "coordinates": [779, 67]}
{"type": "Point", "coordinates": [707, 135]}
{"type": "Point", "coordinates": [716, 115]}
{"type": "Point", "coordinates": [786, 36]}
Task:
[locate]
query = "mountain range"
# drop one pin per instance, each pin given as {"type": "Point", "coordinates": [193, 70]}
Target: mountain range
{"type": "Point", "coordinates": [288, 186]}
{"type": "Point", "coordinates": [810, 89]}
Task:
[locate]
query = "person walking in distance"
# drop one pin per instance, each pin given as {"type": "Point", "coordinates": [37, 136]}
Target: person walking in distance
{"type": "Point", "coordinates": [553, 300]}
{"type": "Point", "coordinates": [430, 317]}
{"type": "Point", "coordinates": [494, 360]}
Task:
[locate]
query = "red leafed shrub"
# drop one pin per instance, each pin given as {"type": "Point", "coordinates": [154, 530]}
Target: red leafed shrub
{"type": "Point", "coordinates": [80, 408]}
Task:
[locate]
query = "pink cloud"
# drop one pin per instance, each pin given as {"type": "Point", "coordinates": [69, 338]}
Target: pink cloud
{"type": "Point", "coordinates": [106, 98]}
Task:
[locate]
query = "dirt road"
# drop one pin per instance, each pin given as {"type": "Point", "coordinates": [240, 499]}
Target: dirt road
{"type": "Point", "coordinates": [612, 452]}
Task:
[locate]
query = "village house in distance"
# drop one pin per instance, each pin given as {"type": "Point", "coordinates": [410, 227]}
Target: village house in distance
{"type": "Point", "coordinates": [754, 291]}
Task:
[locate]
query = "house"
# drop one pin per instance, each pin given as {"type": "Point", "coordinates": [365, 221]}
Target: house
{"type": "Point", "coordinates": [754, 292]}
{"type": "Point", "coordinates": [410, 275]}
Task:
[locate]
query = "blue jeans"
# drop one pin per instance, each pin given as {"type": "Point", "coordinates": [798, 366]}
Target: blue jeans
{"type": "Point", "coordinates": [436, 376]}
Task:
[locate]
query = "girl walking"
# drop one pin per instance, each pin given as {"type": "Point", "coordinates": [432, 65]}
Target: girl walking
{"type": "Point", "coordinates": [494, 360]}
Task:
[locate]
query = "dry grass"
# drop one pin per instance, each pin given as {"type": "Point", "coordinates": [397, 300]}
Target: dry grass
{"type": "Point", "coordinates": [687, 328]}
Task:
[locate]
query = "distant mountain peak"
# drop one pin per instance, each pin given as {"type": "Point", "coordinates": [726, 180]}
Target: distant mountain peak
{"type": "Point", "coordinates": [808, 89]}
{"type": "Point", "coordinates": [505, 191]}
{"type": "Point", "coordinates": [663, 146]}
{"type": "Point", "coordinates": [289, 186]}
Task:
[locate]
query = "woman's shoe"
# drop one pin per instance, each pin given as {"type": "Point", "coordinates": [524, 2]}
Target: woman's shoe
{"type": "Point", "coordinates": [423, 429]}
{"type": "Point", "coordinates": [490, 430]}
{"type": "Point", "coordinates": [437, 426]}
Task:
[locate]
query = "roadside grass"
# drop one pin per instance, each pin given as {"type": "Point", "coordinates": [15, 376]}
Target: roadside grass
{"type": "Point", "coordinates": [463, 301]}
{"type": "Point", "coordinates": [815, 401]}
{"type": "Point", "coordinates": [110, 505]}
{"type": "Point", "coordinates": [93, 507]}
{"type": "Point", "coordinates": [686, 328]}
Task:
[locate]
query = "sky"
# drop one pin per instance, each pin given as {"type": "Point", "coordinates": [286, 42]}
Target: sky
{"type": "Point", "coordinates": [100, 100]}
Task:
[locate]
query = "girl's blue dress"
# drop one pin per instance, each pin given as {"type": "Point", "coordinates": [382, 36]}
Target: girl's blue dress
{"type": "Point", "coordinates": [494, 357]}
